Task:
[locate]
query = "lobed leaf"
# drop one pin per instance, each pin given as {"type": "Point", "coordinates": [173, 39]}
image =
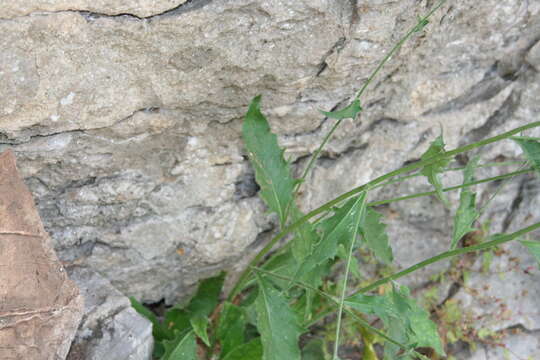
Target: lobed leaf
{"type": "Point", "coordinates": [276, 323]}
{"type": "Point", "coordinates": [337, 229]}
{"type": "Point", "coordinates": [272, 172]}
{"type": "Point", "coordinates": [231, 327]}
{"type": "Point", "coordinates": [306, 237]}
{"type": "Point", "coordinates": [405, 320]}
{"type": "Point", "coordinates": [534, 248]}
{"type": "Point", "coordinates": [466, 213]}
{"type": "Point", "coordinates": [433, 170]}
{"type": "Point", "coordinates": [531, 149]}
{"type": "Point", "coordinates": [207, 296]}
{"type": "Point", "coordinates": [374, 233]}
{"type": "Point", "coordinates": [349, 112]}
{"type": "Point", "coordinates": [252, 350]}
{"type": "Point", "coordinates": [200, 327]}
{"type": "Point", "coordinates": [182, 347]}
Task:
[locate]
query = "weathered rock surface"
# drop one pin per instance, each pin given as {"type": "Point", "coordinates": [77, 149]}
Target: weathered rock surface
{"type": "Point", "coordinates": [128, 129]}
{"type": "Point", "coordinates": [110, 328]}
{"type": "Point", "coordinates": [40, 308]}
{"type": "Point", "coordinates": [136, 8]}
{"type": "Point", "coordinates": [520, 346]}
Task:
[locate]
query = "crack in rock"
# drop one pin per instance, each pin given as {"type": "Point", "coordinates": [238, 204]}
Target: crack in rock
{"type": "Point", "coordinates": [182, 8]}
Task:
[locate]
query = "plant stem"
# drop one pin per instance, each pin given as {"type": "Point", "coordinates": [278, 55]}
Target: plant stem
{"type": "Point", "coordinates": [360, 214]}
{"type": "Point", "coordinates": [335, 301]}
{"type": "Point", "coordinates": [381, 64]}
{"type": "Point", "coordinates": [497, 241]}
{"type": "Point", "coordinates": [419, 164]}
{"type": "Point", "coordinates": [397, 47]}
{"type": "Point", "coordinates": [427, 193]}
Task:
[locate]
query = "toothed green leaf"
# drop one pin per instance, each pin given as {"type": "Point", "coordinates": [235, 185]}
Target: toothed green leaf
{"type": "Point", "coordinates": [404, 320]}
{"type": "Point", "coordinates": [182, 347]}
{"type": "Point", "coordinates": [277, 323]}
{"type": "Point", "coordinates": [349, 112]}
{"type": "Point", "coordinates": [231, 328]}
{"type": "Point", "coordinates": [272, 172]}
{"type": "Point", "coordinates": [305, 237]}
{"type": "Point", "coordinates": [534, 248]}
{"type": "Point", "coordinates": [337, 229]}
{"type": "Point", "coordinates": [200, 326]}
{"type": "Point", "coordinates": [252, 350]}
{"type": "Point", "coordinates": [207, 297]}
{"type": "Point", "coordinates": [531, 149]}
{"type": "Point", "coordinates": [466, 213]}
{"type": "Point", "coordinates": [374, 233]}
{"type": "Point", "coordinates": [432, 171]}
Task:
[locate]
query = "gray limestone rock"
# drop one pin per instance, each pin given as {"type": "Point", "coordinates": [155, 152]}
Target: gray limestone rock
{"type": "Point", "coordinates": [111, 328]}
{"type": "Point", "coordinates": [136, 8]}
{"type": "Point", "coordinates": [521, 345]}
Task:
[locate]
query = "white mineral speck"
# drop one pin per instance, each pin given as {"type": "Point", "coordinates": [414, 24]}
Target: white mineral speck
{"type": "Point", "coordinates": [68, 99]}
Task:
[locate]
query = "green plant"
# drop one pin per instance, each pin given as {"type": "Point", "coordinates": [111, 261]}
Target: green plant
{"type": "Point", "coordinates": [281, 299]}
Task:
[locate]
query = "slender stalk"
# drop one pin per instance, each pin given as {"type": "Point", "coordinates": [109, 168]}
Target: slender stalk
{"type": "Point", "coordinates": [497, 241]}
{"type": "Point", "coordinates": [421, 21]}
{"type": "Point", "coordinates": [417, 165]}
{"type": "Point", "coordinates": [347, 269]}
{"type": "Point", "coordinates": [427, 193]}
{"type": "Point", "coordinates": [335, 301]}
{"type": "Point", "coordinates": [400, 43]}
{"type": "Point", "coordinates": [417, 174]}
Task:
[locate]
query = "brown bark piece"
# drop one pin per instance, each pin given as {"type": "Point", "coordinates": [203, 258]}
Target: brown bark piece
{"type": "Point", "coordinates": [40, 308]}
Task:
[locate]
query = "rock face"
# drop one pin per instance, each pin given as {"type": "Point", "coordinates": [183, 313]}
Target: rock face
{"type": "Point", "coordinates": [40, 308]}
{"type": "Point", "coordinates": [110, 328]}
{"type": "Point", "coordinates": [128, 127]}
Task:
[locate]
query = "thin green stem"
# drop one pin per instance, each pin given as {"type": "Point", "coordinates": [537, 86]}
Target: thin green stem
{"type": "Point", "coordinates": [417, 174]}
{"type": "Point", "coordinates": [347, 269]}
{"type": "Point", "coordinates": [428, 193]}
{"type": "Point", "coordinates": [399, 44]}
{"type": "Point", "coordinates": [315, 156]}
{"type": "Point", "coordinates": [335, 301]}
{"type": "Point", "coordinates": [451, 253]}
{"type": "Point", "coordinates": [417, 165]}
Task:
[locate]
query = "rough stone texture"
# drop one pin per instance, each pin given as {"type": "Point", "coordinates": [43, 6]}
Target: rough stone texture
{"type": "Point", "coordinates": [40, 308]}
{"type": "Point", "coordinates": [522, 345]}
{"type": "Point", "coordinates": [128, 129]}
{"type": "Point", "coordinates": [136, 8]}
{"type": "Point", "coordinates": [111, 328]}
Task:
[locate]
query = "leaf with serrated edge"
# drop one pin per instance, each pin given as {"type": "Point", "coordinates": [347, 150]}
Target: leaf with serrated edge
{"type": "Point", "coordinates": [272, 172]}
{"type": "Point", "coordinates": [253, 350]}
{"type": "Point", "coordinates": [466, 213]}
{"type": "Point", "coordinates": [349, 112]}
{"type": "Point", "coordinates": [374, 233]}
{"type": "Point", "coordinates": [231, 327]}
{"type": "Point", "coordinates": [306, 237]}
{"type": "Point", "coordinates": [337, 229]}
{"type": "Point", "coordinates": [276, 323]}
{"type": "Point", "coordinates": [531, 149]}
{"type": "Point", "coordinates": [207, 296]}
{"type": "Point", "coordinates": [432, 171]}
{"type": "Point", "coordinates": [183, 347]}
{"type": "Point", "coordinates": [407, 322]}
{"type": "Point", "coordinates": [200, 326]}
{"type": "Point", "coordinates": [534, 249]}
